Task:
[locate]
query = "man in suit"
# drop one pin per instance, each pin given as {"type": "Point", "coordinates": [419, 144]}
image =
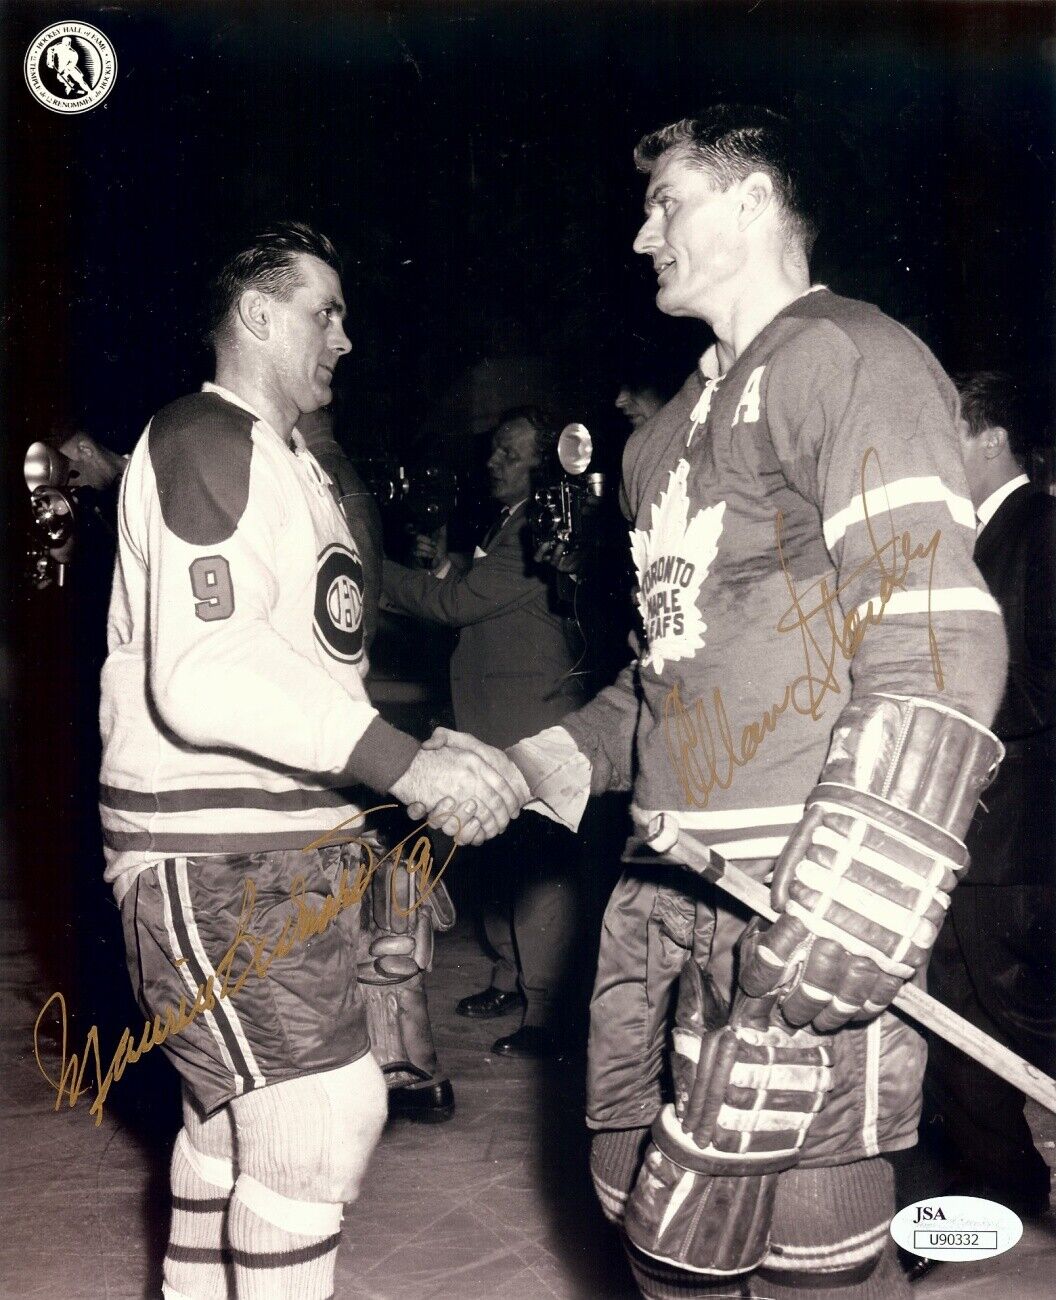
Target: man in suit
{"type": "Point", "coordinates": [995, 959]}
{"type": "Point", "coordinates": [512, 674]}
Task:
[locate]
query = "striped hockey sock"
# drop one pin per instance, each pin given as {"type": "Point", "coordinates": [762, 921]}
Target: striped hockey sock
{"type": "Point", "coordinates": [615, 1158]}
{"type": "Point", "coordinates": [830, 1239]}
{"type": "Point", "coordinates": [196, 1263]}
{"type": "Point", "coordinates": [283, 1249]}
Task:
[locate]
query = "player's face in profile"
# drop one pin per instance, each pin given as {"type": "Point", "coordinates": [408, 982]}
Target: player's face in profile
{"type": "Point", "coordinates": [690, 233]}
{"type": "Point", "coordinates": [513, 457]}
{"type": "Point", "coordinates": [308, 337]}
{"type": "Point", "coordinates": [638, 405]}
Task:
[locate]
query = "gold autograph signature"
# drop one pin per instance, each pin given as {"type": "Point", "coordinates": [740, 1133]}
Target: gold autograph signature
{"type": "Point", "coordinates": [701, 744]}
{"type": "Point", "coordinates": [305, 921]}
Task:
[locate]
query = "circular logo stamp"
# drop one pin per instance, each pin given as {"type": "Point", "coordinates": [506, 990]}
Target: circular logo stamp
{"type": "Point", "coordinates": [70, 67]}
{"type": "Point", "coordinates": [956, 1228]}
{"type": "Point", "coordinates": [339, 603]}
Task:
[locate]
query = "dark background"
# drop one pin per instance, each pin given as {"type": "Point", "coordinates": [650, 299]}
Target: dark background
{"type": "Point", "coordinates": [474, 162]}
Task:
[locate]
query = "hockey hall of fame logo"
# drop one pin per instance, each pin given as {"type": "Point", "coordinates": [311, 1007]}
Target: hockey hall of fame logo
{"type": "Point", "coordinates": [70, 67]}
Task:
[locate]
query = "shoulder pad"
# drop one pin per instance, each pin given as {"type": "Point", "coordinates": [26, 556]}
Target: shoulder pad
{"type": "Point", "coordinates": [200, 450]}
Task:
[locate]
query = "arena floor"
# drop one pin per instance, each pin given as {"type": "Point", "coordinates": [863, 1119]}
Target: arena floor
{"type": "Point", "coordinates": [494, 1205]}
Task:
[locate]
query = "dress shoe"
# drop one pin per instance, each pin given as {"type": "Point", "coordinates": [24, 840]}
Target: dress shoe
{"type": "Point", "coordinates": [489, 1005]}
{"type": "Point", "coordinates": [423, 1103]}
{"type": "Point", "coordinates": [532, 1041]}
{"type": "Point", "coordinates": [915, 1267]}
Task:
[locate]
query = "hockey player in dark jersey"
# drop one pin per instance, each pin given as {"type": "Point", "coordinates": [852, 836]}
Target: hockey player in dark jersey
{"type": "Point", "coordinates": [820, 664]}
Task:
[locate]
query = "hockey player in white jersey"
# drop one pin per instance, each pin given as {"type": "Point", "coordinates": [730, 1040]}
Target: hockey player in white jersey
{"type": "Point", "coordinates": [234, 723]}
{"type": "Point", "coordinates": [820, 662]}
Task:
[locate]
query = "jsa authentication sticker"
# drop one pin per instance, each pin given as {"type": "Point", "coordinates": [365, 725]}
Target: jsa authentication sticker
{"type": "Point", "coordinates": [956, 1228]}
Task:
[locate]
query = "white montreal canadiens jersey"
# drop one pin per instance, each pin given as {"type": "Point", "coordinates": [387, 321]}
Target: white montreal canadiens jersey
{"type": "Point", "coordinates": [802, 531]}
{"type": "Point", "coordinates": [232, 696]}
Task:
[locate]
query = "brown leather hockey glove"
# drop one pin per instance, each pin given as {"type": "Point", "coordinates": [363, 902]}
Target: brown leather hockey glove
{"type": "Point", "coordinates": [745, 1095]}
{"type": "Point", "coordinates": [865, 880]}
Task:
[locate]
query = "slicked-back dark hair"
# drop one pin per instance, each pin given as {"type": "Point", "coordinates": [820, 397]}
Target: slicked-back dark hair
{"type": "Point", "coordinates": [989, 400]}
{"type": "Point", "coordinates": [267, 262]}
{"type": "Point", "coordinates": [729, 142]}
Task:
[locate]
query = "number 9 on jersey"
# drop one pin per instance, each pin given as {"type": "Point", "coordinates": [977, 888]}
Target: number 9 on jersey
{"type": "Point", "coordinates": [211, 584]}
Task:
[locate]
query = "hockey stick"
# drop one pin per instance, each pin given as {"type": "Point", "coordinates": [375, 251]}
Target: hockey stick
{"type": "Point", "coordinates": [923, 1008]}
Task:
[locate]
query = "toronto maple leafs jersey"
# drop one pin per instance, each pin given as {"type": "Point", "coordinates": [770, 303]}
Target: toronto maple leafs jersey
{"type": "Point", "coordinates": [802, 531]}
{"type": "Point", "coordinates": [233, 709]}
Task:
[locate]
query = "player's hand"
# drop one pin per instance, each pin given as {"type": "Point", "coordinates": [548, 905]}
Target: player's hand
{"type": "Point", "coordinates": [463, 787]}
{"type": "Point", "coordinates": [863, 884]}
{"type": "Point", "coordinates": [447, 737]}
{"type": "Point", "coordinates": [447, 809]}
{"type": "Point", "coordinates": [745, 1090]}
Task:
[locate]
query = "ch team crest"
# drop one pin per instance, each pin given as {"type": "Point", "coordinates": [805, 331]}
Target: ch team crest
{"type": "Point", "coordinates": [339, 603]}
{"type": "Point", "coordinates": [70, 67]}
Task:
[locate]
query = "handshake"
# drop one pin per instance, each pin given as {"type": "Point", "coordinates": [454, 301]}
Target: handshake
{"type": "Point", "coordinates": [465, 788]}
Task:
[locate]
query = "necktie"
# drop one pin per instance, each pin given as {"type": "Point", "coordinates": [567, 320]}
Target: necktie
{"type": "Point", "coordinates": [495, 528]}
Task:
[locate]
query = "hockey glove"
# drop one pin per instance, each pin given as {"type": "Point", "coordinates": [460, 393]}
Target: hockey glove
{"type": "Point", "coordinates": [745, 1095]}
{"type": "Point", "coordinates": [864, 882]}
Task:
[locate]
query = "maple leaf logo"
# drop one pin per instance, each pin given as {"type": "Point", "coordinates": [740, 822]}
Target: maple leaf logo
{"type": "Point", "coordinates": [673, 557]}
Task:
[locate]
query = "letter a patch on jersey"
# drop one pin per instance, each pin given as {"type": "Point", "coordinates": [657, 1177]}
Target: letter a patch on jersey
{"type": "Point", "coordinates": [673, 558]}
{"type": "Point", "coordinates": [747, 411]}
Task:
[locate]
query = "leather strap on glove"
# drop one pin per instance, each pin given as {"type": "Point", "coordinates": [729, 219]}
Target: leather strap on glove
{"type": "Point", "coordinates": [398, 924]}
{"type": "Point", "coordinates": [865, 880]}
{"type": "Point", "coordinates": [395, 949]}
{"type": "Point", "coordinates": [745, 1095]}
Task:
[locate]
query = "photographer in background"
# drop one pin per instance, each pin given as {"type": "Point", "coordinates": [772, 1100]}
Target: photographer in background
{"type": "Point", "coordinates": [89, 475]}
{"type": "Point", "coordinates": [82, 477]}
{"type": "Point", "coordinates": [648, 377]}
{"type": "Point", "coordinates": [512, 673]}
{"type": "Point", "coordinates": [93, 465]}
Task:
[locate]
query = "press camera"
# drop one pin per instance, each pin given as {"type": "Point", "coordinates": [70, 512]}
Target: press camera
{"type": "Point", "coordinates": [53, 504]}
{"type": "Point", "coordinates": [419, 499]}
{"type": "Point", "coordinates": [559, 513]}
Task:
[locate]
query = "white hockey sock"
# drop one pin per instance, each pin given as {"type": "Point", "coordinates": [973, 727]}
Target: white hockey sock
{"type": "Point", "coordinates": [196, 1261]}
{"type": "Point", "coordinates": [283, 1249]}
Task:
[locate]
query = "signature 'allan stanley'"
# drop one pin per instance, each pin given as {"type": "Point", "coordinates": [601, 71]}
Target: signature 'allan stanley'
{"type": "Point", "coordinates": [703, 751]}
